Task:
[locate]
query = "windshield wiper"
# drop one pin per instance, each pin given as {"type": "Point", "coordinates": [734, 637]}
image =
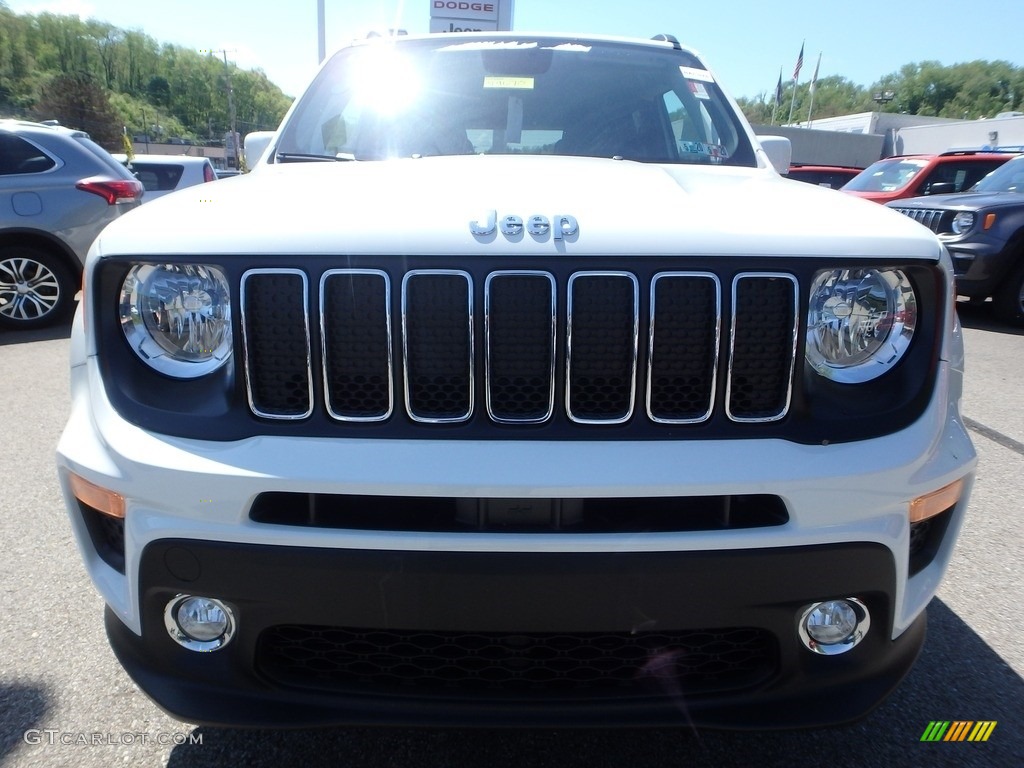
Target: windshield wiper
{"type": "Point", "coordinates": [298, 157]}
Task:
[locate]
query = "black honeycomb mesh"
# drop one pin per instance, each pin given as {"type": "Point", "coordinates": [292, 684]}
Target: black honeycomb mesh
{"type": "Point", "coordinates": [356, 342]}
{"type": "Point", "coordinates": [520, 353]}
{"type": "Point", "coordinates": [602, 357]}
{"type": "Point", "coordinates": [762, 357]}
{"type": "Point", "coordinates": [438, 346]}
{"type": "Point", "coordinates": [683, 347]}
{"type": "Point", "coordinates": [277, 344]}
{"type": "Point", "coordinates": [693, 660]}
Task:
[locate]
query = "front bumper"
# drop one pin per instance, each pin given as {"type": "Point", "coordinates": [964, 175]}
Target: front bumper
{"type": "Point", "coordinates": [980, 265]}
{"type": "Point", "coordinates": [340, 637]}
{"type": "Point", "coordinates": [665, 593]}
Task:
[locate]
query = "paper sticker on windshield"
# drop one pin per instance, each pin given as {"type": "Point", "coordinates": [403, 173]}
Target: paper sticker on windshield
{"type": "Point", "coordinates": [697, 74]}
{"type": "Point", "coordinates": [698, 90]}
{"type": "Point", "coordinates": [495, 81]}
{"type": "Point", "coordinates": [715, 153]}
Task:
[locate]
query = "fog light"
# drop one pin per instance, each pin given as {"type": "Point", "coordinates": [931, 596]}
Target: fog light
{"type": "Point", "coordinates": [834, 626]}
{"type": "Point", "coordinates": [199, 623]}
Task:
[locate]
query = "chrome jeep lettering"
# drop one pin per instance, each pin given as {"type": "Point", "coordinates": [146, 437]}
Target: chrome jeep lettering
{"type": "Point", "coordinates": [559, 226]}
{"type": "Point", "coordinates": [511, 226]}
{"type": "Point", "coordinates": [486, 227]}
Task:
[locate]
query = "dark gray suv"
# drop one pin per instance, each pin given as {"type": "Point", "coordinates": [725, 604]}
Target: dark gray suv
{"type": "Point", "coordinates": [58, 189]}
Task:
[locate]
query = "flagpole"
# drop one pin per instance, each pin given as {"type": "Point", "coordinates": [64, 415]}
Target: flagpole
{"type": "Point", "coordinates": [796, 79]}
{"type": "Point", "coordinates": [814, 85]}
{"type": "Point", "coordinates": [778, 97]}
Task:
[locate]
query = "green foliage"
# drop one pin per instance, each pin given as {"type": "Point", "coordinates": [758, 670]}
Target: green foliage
{"type": "Point", "coordinates": [131, 80]}
{"type": "Point", "coordinates": [969, 90]}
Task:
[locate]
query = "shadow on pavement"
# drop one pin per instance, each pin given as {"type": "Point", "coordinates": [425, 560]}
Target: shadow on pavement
{"type": "Point", "coordinates": [59, 331]}
{"type": "Point", "coordinates": [23, 707]}
{"type": "Point", "coordinates": [981, 317]}
{"type": "Point", "coordinates": [958, 677]}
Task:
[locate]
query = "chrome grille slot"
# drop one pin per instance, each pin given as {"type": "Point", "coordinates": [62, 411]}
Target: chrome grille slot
{"type": "Point", "coordinates": [602, 347]}
{"type": "Point", "coordinates": [437, 330]}
{"type": "Point", "coordinates": [684, 338]}
{"type": "Point", "coordinates": [762, 346]}
{"type": "Point", "coordinates": [275, 330]}
{"type": "Point", "coordinates": [519, 313]}
{"type": "Point", "coordinates": [355, 319]}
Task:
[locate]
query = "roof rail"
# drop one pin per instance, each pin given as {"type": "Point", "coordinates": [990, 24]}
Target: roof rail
{"type": "Point", "coordinates": [663, 38]}
{"type": "Point", "coordinates": [1003, 149]}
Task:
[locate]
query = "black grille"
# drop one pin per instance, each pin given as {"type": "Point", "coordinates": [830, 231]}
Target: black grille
{"type": "Point", "coordinates": [277, 357]}
{"type": "Point", "coordinates": [692, 661]}
{"type": "Point", "coordinates": [936, 220]}
{"type": "Point", "coordinates": [357, 348]}
{"type": "Point", "coordinates": [618, 338]}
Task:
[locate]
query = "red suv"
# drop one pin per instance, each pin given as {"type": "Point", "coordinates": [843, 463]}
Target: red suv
{"type": "Point", "coordinates": [895, 178]}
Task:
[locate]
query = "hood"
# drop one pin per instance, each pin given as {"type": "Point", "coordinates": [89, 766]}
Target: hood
{"type": "Point", "coordinates": [425, 206]}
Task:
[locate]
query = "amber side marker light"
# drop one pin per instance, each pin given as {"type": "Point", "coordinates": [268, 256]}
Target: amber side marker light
{"type": "Point", "coordinates": [100, 499]}
{"type": "Point", "coordinates": [990, 220]}
{"type": "Point", "coordinates": [932, 504]}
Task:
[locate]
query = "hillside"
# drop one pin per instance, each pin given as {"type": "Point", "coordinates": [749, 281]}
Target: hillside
{"type": "Point", "coordinates": [100, 78]}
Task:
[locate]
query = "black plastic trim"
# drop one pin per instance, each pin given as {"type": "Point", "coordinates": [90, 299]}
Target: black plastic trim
{"type": "Point", "coordinates": [514, 592]}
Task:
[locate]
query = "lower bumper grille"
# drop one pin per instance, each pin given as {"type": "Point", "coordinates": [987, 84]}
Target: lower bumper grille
{"type": "Point", "coordinates": [691, 662]}
{"type": "Point", "coordinates": [596, 347]}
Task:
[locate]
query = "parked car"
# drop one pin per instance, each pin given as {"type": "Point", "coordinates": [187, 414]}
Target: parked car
{"type": "Point", "coordinates": [558, 406]}
{"type": "Point", "coordinates": [830, 176]}
{"type": "Point", "coordinates": [902, 176]}
{"type": "Point", "coordinates": [163, 174]}
{"type": "Point", "coordinates": [983, 229]}
{"type": "Point", "coordinates": [227, 173]}
{"type": "Point", "coordinates": [58, 189]}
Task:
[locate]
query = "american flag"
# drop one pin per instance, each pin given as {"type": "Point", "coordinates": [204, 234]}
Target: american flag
{"type": "Point", "coordinates": [799, 63]}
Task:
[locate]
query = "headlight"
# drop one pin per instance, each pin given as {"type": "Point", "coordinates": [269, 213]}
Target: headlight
{"type": "Point", "coordinates": [963, 222]}
{"type": "Point", "coordinates": [177, 317]}
{"type": "Point", "coordinates": [860, 322]}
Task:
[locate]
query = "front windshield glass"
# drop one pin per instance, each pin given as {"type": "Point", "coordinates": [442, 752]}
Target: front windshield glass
{"type": "Point", "coordinates": [444, 96]}
{"type": "Point", "coordinates": [886, 175]}
{"type": "Point", "coordinates": [1009, 177]}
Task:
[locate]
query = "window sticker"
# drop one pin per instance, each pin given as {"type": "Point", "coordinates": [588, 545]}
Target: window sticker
{"type": "Point", "coordinates": [698, 90]}
{"type": "Point", "coordinates": [697, 74]}
{"type": "Point", "coordinates": [503, 81]}
{"type": "Point", "coordinates": [715, 153]}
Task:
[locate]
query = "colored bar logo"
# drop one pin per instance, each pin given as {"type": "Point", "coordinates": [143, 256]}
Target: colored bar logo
{"type": "Point", "coordinates": [958, 730]}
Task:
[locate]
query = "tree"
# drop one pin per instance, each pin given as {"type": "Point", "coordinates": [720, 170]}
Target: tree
{"type": "Point", "coordinates": [78, 101]}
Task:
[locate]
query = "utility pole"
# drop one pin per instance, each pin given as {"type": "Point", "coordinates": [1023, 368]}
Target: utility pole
{"type": "Point", "coordinates": [231, 106]}
{"type": "Point", "coordinates": [321, 36]}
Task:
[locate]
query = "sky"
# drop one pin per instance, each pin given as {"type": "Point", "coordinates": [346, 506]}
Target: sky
{"type": "Point", "coordinates": [746, 43]}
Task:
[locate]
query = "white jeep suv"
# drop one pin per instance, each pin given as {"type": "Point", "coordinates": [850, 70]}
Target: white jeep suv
{"type": "Point", "coordinates": [522, 390]}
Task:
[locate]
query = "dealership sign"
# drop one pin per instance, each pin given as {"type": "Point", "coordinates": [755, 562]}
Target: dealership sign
{"type": "Point", "coordinates": [470, 15]}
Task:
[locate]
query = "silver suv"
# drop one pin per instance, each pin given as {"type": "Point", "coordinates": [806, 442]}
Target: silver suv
{"type": "Point", "coordinates": [58, 189]}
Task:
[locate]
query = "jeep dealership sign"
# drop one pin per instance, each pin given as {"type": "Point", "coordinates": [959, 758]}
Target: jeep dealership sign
{"type": "Point", "coordinates": [470, 15]}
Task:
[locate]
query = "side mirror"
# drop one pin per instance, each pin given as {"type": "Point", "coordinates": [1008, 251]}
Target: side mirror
{"type": "Point", "coordinates": [255, 145]}
{"type": "Point", "coordinates": [941, 188]}
{"type": "Point", "coordinates": [778, 150]}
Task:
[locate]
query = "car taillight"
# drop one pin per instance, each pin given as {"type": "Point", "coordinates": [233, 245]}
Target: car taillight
{"type": "Point", "coordinates": [112, 190]}
{"type": "Point", "coordinates": [208, 174]}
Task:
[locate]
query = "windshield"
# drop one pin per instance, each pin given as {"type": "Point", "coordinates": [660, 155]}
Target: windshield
{"type": "Point", "coordinates": [886, 175]}
{"type": "Point", "coordinates": [440, 96]}
{"type": "Point", "coordinates": [1008, 177]}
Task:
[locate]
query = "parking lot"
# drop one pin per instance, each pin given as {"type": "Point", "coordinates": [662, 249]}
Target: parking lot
{"type": "Point", "coordinates": [65, 701]}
